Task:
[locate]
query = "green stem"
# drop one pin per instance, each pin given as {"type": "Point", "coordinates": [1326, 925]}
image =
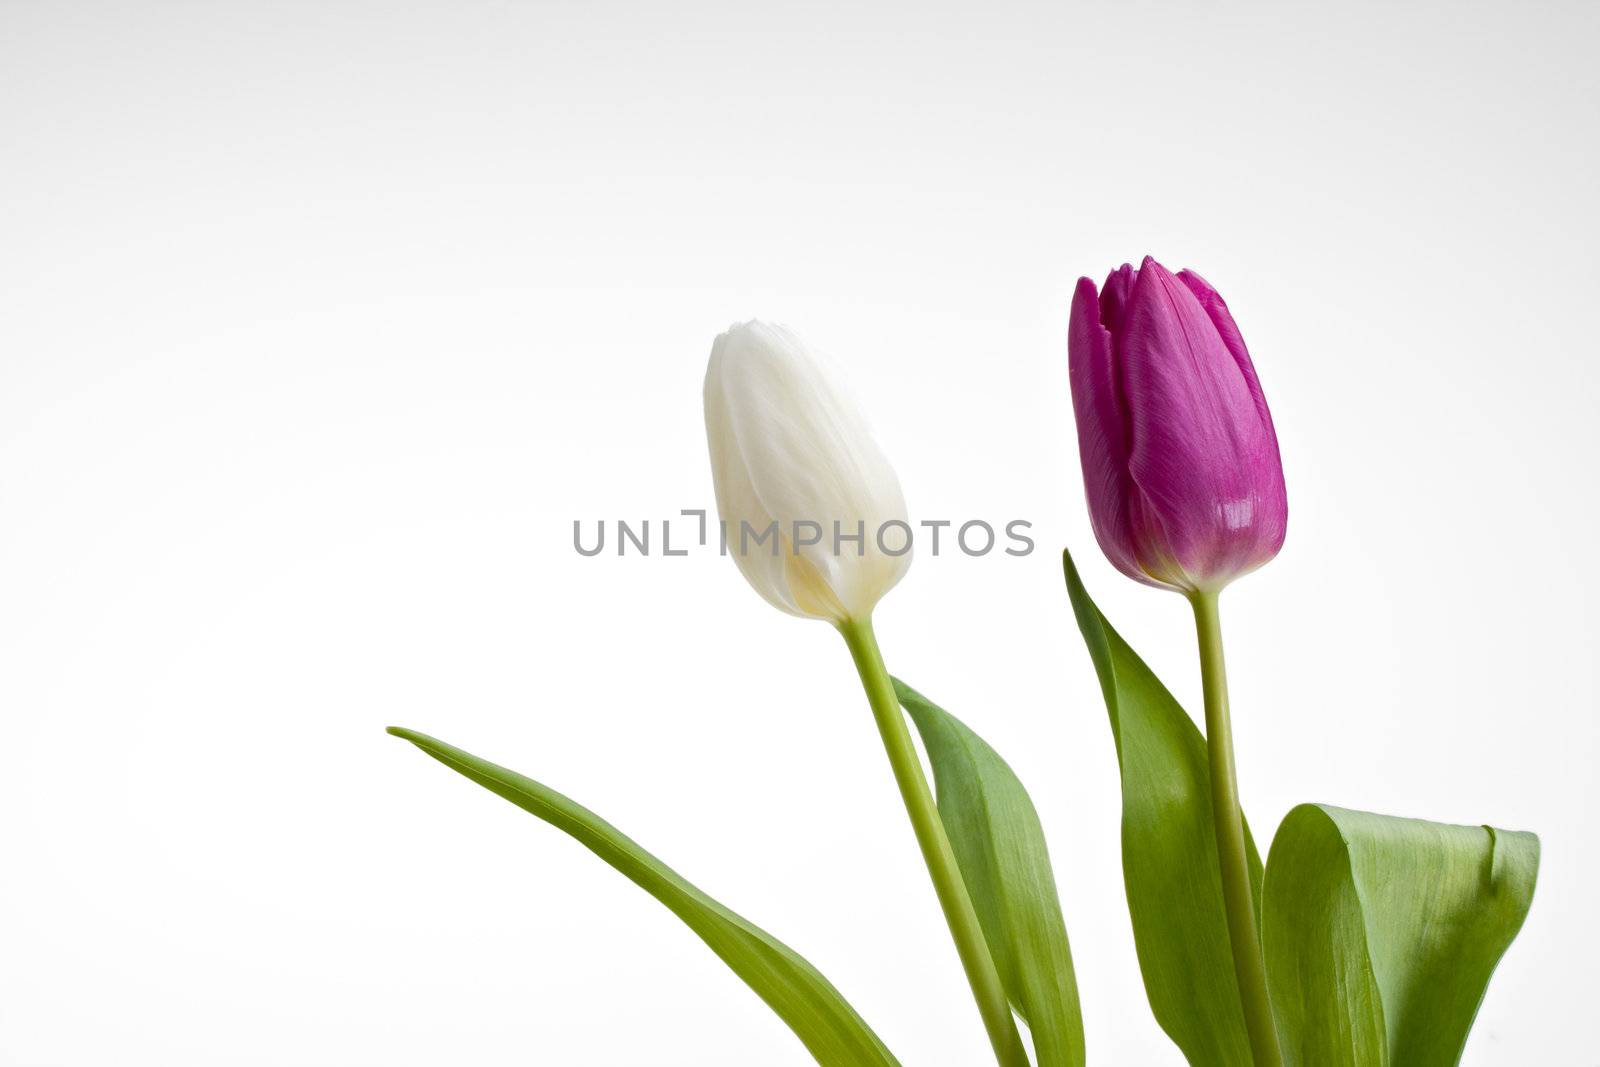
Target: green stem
{"type": "Point", "coordinates": [1249, 965]}
{"type": "Point", "coordinates": [936, 852]}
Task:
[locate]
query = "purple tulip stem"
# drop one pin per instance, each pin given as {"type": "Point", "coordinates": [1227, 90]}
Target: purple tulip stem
{"type": "Point", "coordinates": [1249, 965]}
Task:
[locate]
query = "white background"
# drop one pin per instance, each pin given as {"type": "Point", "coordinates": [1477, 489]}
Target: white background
{"type": "Point", "coordinates": [322, 322]}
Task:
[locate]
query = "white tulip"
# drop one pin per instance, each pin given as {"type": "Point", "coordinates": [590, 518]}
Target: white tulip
{"type": "Point", "coordinates": [789, 448]}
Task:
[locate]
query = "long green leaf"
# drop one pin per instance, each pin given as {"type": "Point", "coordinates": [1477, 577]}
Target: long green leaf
{"type": "Point", "coordinates": [832, 1031]}
{"type": "Point", "coordinates": [1381, 933]}
{"type": "Point", "coordinates": [1169, 852]}
{"type": "Point", "coordinates": [999, 845]}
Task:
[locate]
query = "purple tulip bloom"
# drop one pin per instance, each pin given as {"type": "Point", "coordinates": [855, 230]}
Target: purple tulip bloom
{"type": "Point", "coordinates": [1180, 461]}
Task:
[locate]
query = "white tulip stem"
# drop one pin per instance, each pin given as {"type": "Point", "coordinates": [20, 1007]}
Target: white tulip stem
{"type": "Point", "coordinates": [976, 958]}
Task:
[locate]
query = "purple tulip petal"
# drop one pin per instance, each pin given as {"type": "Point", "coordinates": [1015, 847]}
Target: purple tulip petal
{"type": "Point", "coordinates": [1217, 310]}
{"type": "Point", "coordinates": [1114, 298]}
{"type": "Point", "coordinates": [1102, 430]}
{"type": "Point", "coordinates": [1271, 498]}
{"type": "Point", "coordinates": [1203, 454]}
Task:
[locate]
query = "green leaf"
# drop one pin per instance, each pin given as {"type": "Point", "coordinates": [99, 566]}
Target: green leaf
{"type": "Point", "coordinates": [829, 1028]}
{"type": "Point", "coordinates": [1381, 933]}
{"type": "Point", "coordinates": [999, 845]}
{"type": "Point", "coordinates": [1169, 851]}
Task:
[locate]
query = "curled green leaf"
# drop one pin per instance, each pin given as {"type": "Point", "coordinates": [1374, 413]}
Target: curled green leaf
{"type": "Point", "coordinates": [1381, 933]}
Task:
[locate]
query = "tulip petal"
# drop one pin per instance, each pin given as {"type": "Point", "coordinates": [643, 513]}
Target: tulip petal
{"type": "Point", "coordinates": [1272, 509]}
{"type": "Point", "coordinates": [1203, 454]}
{"type": "Point", "coordinates": [1114, 298]}
{"type": "Point", "coordinates": [1217, 310]}
{"type": "Point", "coordinates": [1103, 429]}
{"type": "Point", "coordinates": [737, 501]}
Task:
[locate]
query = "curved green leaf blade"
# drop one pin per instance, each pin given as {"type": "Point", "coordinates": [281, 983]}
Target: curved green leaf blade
{"type": "Point", "coordinates": [1381, 933]}
{"type": "Point", "coordinates": [999, 845]}
{"type": "Point", "coordinates": [827, 1025]}
{"type": "Point", "coordinates": [1169, 851]}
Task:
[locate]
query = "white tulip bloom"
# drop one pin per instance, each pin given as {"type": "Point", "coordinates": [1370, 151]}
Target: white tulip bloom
{"type": "Point", "coordinates": [792, 458]}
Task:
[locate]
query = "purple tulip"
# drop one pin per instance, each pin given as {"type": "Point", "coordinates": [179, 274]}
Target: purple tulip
{"type": "Point", "coordinates": [1180, 461]}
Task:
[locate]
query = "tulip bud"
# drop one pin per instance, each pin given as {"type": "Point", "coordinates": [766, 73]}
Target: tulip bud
{"type": "Point", "coordinates": [1180, 461]}
{"type": "Point", "coordinates": [791, 453]}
